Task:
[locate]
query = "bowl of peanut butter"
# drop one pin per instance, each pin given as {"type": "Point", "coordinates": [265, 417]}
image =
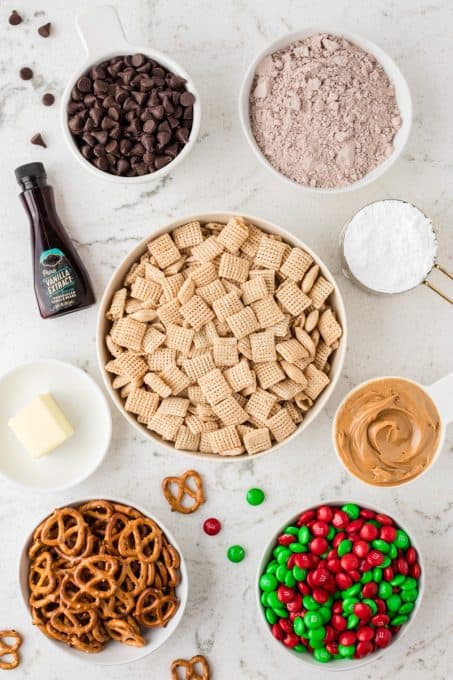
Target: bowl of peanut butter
{"type": "Point", "coordinates": [389, 430]}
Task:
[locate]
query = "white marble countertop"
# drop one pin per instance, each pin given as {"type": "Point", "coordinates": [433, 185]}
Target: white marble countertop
{"type": "Point", "coordinates": [408, 336]}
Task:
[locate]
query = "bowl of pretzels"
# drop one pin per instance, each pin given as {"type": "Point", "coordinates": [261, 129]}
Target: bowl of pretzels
{"type": "Point", "coordinates": [104, 580]}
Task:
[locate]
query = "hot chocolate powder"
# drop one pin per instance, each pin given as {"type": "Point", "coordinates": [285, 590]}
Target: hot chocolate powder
{"type": "Point", "coordinates": [323, 111]}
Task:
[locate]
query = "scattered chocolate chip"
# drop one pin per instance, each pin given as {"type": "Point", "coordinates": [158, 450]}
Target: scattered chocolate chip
{"type": "Point", "coordinates": [26, 73]}
{"type": "Point", "coordinates": [187, 99]}
{"type": "Point", "coordinates": [38, 140]}
{"type": "Point", "coordinates": [48, 99]}
{"type": "Point", "coordinates": [44, 30]}
{"type": "Point", "coordinates": [15, 18]}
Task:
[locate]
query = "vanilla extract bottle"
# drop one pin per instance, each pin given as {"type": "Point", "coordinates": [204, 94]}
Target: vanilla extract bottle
{"type": "Point", "coordinates": [61, 282]}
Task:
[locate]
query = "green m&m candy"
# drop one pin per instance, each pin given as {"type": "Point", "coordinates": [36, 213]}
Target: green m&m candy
{"type": "Point", "coordinates": [402, 539]}
{"type": "Point", "coordinates": [268, 582]}
{"type": "Point", "coordinates": [299, 626]}
{"type": "Point", "coordinates": [255, 496]}
{"type": "Point", "coordinates": [236, 553]}
{"type": "Point", "coordinates": [271, 616]}
{"type": "Point", "coordinates": [313, 619]}
{"type": "Point", "coordinates": [385, 590]}
{"type": "Point", "coordinates": [322, 655]}
{"type": "Point", "coordinates": [352, 510]}
{"type": "Point", "coordinates": [316, 634]}
{"type": "Point", "coordinates": [344, 547]}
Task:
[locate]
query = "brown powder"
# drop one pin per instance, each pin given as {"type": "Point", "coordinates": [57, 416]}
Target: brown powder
{"type": "Point", "coordinates": [323, 111]}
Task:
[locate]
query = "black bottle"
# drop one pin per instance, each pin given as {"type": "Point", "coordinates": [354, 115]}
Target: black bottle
{"type": "Point", "coordinates": [61, 281]}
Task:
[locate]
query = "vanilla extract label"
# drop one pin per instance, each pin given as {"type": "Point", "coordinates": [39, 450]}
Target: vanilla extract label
{"type": "Point", "coordinates": [58, 279]}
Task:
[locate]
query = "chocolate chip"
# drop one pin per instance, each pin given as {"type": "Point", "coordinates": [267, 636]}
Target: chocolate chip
{"type": "Point", "coordinates": [149, 125]}
{"type": "Point", "coordinates": [84, 84]}
{"type": "Point", "coordinates": [187, 99]}
{"type": "Point", "coordinates": [48, 99]}
{"type": "Point", "coordinates": [158, 112]}
{"type": "Point", "coordinates": [138, 60]}
{"type": "Point", "coordinates": [102, 163]}
{"type": "Point", "coordinates": [15, 18]}
{"type": "Point", "coordinates": [38, 140]}
{"type": "Point", "coordinates": [26, 73]}
{"type": "Point", "coordinates": [182, 135]}
{"type": "Point", "coordinates": [161, 161]}
{"type": "Point", "coordinates": [44, 30]}
{"type": "Point", "coordinates": [122, 166]}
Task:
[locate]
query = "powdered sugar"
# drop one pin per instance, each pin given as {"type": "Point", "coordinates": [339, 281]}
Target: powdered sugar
{"type": "Point", "coordinates": [323, 111]}
{"type": "Point", "coordinates": [390, 246]}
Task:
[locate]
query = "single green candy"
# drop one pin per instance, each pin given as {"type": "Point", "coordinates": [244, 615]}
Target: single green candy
{"type": "Point", "coordinates": [272, 567]}
{"type": "Point", "coordinates": [281, 572]}
{"type": "Point", "coordinates": [331, 533]}
{"type": "Point", "coordinates": [409, 595]}
{"type": "Point", "coordinates": [299, 626]}
{"type": "Point", "coordinates": [402, 539]}
{"type": "Point", "coordinates": [304, 535]}
{"type": "Point", "coordinates": [367, 577]}
{"type": "Point", "coordinates": [299, 574]}
{"type": "Point", "coordinates": [282, 613]}
{"type": "Point", "coordinates": [352, 510]}
{"type": "Point", "coordinates": [300, 648]}
{"type": "Point", "coordinates": [277, 550]}
{"type": "Point", "coordinates": [297, 547]}
{"type": "Point", "coordinates": [393, 551]}
{"type": "Point", "coordinates": [313, 619]}
{"type": "Point", "coordinates": [371, 603]}
{"type": "Point", "coordinates": [352, 591]}
{"type": "Point", "coordinates": [385, 590]}
{"type": "Point", "coordinates": [236, 553]}
{"type": "Point", "coordinates": [386, 563]}
{"type": "Point", "coordinates": [322, 655]}
{"type": "Point", "coordinates": [409, 583]}
{"type": "Point", "coordinates": [263, 599]}
{"type": "Point", "coordinates": [271, 616]}
{"type": "Point", "coordinates": [393, 603]}
{"type": "Point", "coordinates": [399, 620]}
{"type": "Point", "coordinates": [273, 601]}
{"type": "Point", "coordinates": [352, 621]}
{"type": "Point", "coordinates": [255, 496]}
{"type": "Point", "coordinates": [290, 581]}
{"type": "Point", "coordinates": [309, 603]}
{"type": "Point", "coordinates": [317, 644]}
{"type": "Point", "coordinates": [348, 604]}
{"type": "Point", "coordinates": [317, 634]}
{"type": "Point", "coordinates": [381, 545]}
{"type": "Point", "coordinates": [344, 547]}
{"type": "Point", "coordinates": [377, 575]}
{"type": "Point", "coordinates": [346, 651]}
{"type": "Point", "coordinates": [291, 530]}
{"type": "Point", "coordinates": [283, 555]}
{"type": "Point", "coordinates": [398, 580]}
{"type": "Point", "coordinates": [325, 614]}
{"type": "Point", "coordinates": [406, 608]}
{"type": "Point", "coordinates": [268, 582]}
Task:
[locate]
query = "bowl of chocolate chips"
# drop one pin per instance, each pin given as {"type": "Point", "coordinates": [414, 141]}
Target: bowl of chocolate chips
{"type": "Point", "coordinates": [129, 114]}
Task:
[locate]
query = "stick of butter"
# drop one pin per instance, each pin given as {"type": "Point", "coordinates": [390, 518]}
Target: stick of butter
{"type": "Point", "coordinates": [41, 426]}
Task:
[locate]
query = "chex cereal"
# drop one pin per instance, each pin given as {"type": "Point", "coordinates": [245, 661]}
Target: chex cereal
{"type": "Point", "coordinates": [221, 337]}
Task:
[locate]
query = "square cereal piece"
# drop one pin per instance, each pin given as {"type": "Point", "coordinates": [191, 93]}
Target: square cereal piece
{"type": "Point", "coordinates": [175, 379]}
{"type": "Point", "coordinates": [157, 385]}
{"type": "Point", "coordinates": [212, 291]}
{"type": "Point", "coordinates": [251, 245]}
{"type": "Point", "coordinates": [234, 268]}
{"type": "Point", "coordinates": [239, 376]}
{"type": "Point", "coordinates": [270, 253]}
{"type": "Point", "coordinates": [296, 264]}
{"type": "Point", "coordinates": [186, 291]}
{"type": "Point", "coordinates": [165, 426]}
{"type": "Point", "coordinates": [169, 312]}
{"type": "Point", "coordinates": [161, 358]}
{"type": "Point", "coordinates": [282, 327]}
{"type": "Point", "coordinates": [214, 386]}
{"type": "Point", "coordinates": [259, 404]}
{"type": "Point", "coordinates": [116, 309]}
{"type": "Point", "coordinates": [317, 382]}
{"type": "Point", "coordinates": [286, 389]}
{"type": "Point", "coordinates": [267, 312]}
{"type": "Point", "coordinates": [164, 250]}
{"type": "Point", "coordinates": [208, 250]}
{"type": "Point", "coordinates": [230, 412]}
{"type": "Point", "coordinates": [268, 374]}
{"type": "Point", "coordinates": [269, 278]}
{"type": "Point", "coordinates": [186, 440]}
{"type": "Point", "coordinates": [153, 273]}
{"type": "Point", "coordinates": [250, 389]}
{"type": "Point", "coordinates": [263, 346]}
{"type": "Point", "coordinates": [328, 326]}
{"type": "Point", "coordinates": [205, 444]}
{"type": "Point", "coordinates": [171, 286]}
{"type": "Point", "coordinates": [142, 403]}
{"type": "Point", "coordinates": [188, 235]}
{"type": "Point", "coordinates": [195, 394]}
{"type": "Point", "coordinates": [131, 365]}
{"type": "Point", "coordinates": [143, 289]}
{"type": "Point", "coordinates": [152, 340]}
{"type": "Point", "coordinates": [321, 291]}
{"type": "Point", "coordinates": [196, 312]}
{"type": "Point", "coordinates": [135, 270]}
{"type": "Point", "coordinates": [224, 439]}
{"type": "Point", "coordinates": [245, 348]}
{"type": "Point", "coordinates": [227, 306]}
{"type": "Point", "coordinates": [281, 425]}
{"type": "Point", "coordinates": [174, 406]}
{"type": "Point", "coordinates": [114, 349]}
{"type": "Point", "coordinates": [129, 333]}
{"type": "Point", "coordinates": [243, 323]}
{"type": "Point", "coordinates": [291, 350]}
{"type": "Point", "coordinates": [179, 338]}
{"type": "Point", "coordinates": [257, 440]}
{"type": "Point", "coordinates": [225, 351]}
{"type": "Point", "coordinates": [292, 298]}
{"type": "Point", "coordinates": [253, 290]}
{"type": "Point", "coordinates": [198, 366]}
{"type": "Point", "coordinates": [233, 235]}
{"type": "Point", "coordinates": [323, 352]}
{"type": "Point", "coordinates": [203, 274]}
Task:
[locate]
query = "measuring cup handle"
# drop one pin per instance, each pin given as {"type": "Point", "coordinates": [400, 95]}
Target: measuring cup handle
{"type": "Point", "coordinates": [101, 31]}
{"type": "Point", "coordinates": [441, 392]}
{"type": "Point", "coordinates": [436, 289]}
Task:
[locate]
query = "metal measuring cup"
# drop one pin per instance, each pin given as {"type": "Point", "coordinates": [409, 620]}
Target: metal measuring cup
{"type": "Point", "coordinates": [349, 275]}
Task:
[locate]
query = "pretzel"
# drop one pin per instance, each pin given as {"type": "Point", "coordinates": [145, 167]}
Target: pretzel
{"type": "Point", "coordinates": [66, 529]}
{"type": "Point", "coordinates": [95, 576]}
{"type": "Point", "coordinates": [141, 538]}
{"type": "Point", "coordinates": [9, 650]}
{"type": "Point", "coordinates": [190, 670]}
{"type": "Point", "coordinates": [125, 631]}
{"type": "Point", "coordinates": [183, 489]}
{"type": "Point", "coordinates": [154, 609]}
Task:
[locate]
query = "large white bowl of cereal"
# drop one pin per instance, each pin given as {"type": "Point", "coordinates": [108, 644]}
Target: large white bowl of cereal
{"type": "Point", "coordinates": [221, 336]}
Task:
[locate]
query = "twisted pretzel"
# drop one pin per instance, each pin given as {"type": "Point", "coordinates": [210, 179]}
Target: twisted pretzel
{"type": "Point", "coordinates": [183, 490]}
{"type": "Point", "coordinates": [65, 529]}
{"type": "Point", "coordinates": [95, 576]}
{"type": "Point", "coordinates": [9, 650]}
{"type": "Point", "coordinates": [190, 668]}
{"type": "Point", "coordinates": [155, 609]}
{"type": "Point", "coordinates": [126, 631]}
{"type": "Point", "coordinates": [141, 538]}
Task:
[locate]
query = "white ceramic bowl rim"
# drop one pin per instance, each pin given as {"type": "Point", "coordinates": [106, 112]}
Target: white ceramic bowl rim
{"type": "Point", "coordinates": [100, 658]}
{"type": "Point", "coordinates": [394, 74]}
{"type": "Point", "coordinates": [341, 665]}
{"type": "Point", "coordinates": [134, 254]}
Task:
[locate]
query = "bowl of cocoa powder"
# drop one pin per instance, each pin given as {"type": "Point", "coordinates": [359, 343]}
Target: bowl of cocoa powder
{"type": "Point", "coordinates": [328, 111]}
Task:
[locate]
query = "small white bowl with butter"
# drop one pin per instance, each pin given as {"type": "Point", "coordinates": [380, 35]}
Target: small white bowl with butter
{"type": "Point", "coordinates": [55, 425]}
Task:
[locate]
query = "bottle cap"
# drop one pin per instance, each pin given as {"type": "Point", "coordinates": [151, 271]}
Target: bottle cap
{"type": "Point", "coordinates": [30, 172]}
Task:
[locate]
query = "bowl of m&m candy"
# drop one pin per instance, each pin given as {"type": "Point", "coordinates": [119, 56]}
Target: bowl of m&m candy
{"type": "Point", "coordinates": [339, 584]}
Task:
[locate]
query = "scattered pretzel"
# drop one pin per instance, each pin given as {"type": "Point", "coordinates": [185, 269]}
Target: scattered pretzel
{"type": "Point", "coordinates": [190, 670]}
{"type": "Point", "coordinates": [11, 650]}
{"type": "Point", "coordinates": [183, 489]}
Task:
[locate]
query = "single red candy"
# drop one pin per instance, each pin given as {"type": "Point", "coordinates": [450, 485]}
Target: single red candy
{"type": "Point", "coordinates": [349, 562]}
{"type": "Point", "coordinates": [324, 513]}
{"type": "Point", "coordinates": [320, 595]}
{"type": "Point", "coordinates": [387, 533]}
{"type": "Point", "coordinates": [334, 566]}
{"type": "Point", "coordinates": [381, 606]}
{"type": "Point", "coordinates": [384, 519]}
{"type": "Point", "coordinates": [331, 634]}
{"type": "Point", "coordinates": [320, 528]}
{"type": "Point", "coordinates": [290, 640]}
{"type": "Point", "coordinates": [402, 566]}
{"type": "Point", "coordinates": [286, 539]}
{"type": "Point", "coordinates": [387, 573]}
{"type": "Point", "coordinates": [362, 610]}
{"type": "Point", "coordinates": [303, 560]}
{"type": "Point", "coordinates": [380, 620]}
{"type": "Point", "coordinates": [305, 517]}
{"type": "Point", "coordinates": [303, 588]}
{"type": "Point", "coordinates": [375, 557]}
{"type": "Point", "coordinates": [415, 570]}
{"type": "Point", "coordinates": [338, 622]}
{"type": "Point", "coordinates": [285, 594]}
{"type": "Point", "coordinates": [211, 526]}
{"type": "Point", "coordinates": [347, 638]}
{"type": "Point", "coordinates": [367, 514]}
{"type": "Point", "coordinates": [337, 607]}
{"type": "Point", "coordinates": [365, 633]}
{"type": "Point", "coordinates": [411, 555]}
{"type": "Point", "coordinates": [365, 566]}
{"type": "Point", "coordinates": [364, 648]}
{"type": "Point", "coordinates": [383, 637]}
{"type": "Point", "coordinates": [340, 520]}
{"type": "Point", "coordinates": [291, 561]}
{"type": "Point", "coordinates": [338, 538]}
{"type": "Point", "coordinates": [361, 549]}
{"type": "Point", "coordinates": [295, 604]}
{"type": "Point", "coordinates": [370, 589]}
{"type": "Point", "coordinates": [355, 575]}
{"type": "Point", "coordinates": [343, 580]}
{"type": "Point", "coordinates": [320, 576]}
{"type": "Point", "coordinates": [332, 647]}
{"type": "Point", "coordinates": [277, 632]}
{"type": "Point", "coordinates": [319, 545]}
{"type": "Point", "coordinates": [355, 525]}
{"type": "Point", "coordinates": [369, 532]}
{"type": "Point", "coordinates": [285, 625]}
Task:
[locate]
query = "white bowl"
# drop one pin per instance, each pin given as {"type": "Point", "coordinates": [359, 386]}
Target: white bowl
{"type": "Point", "coordinates": [346, 664]}
{"type": "Point", "coordinates": [116, 282]}
{"type": "Point", "coordinates": [115, 653]}
{"type": "Point", "coordinates": [102, 34]}
{"type": "Point", "coordinates": [403, 98]}
{"type": "Point", "coordinates": [86, 408]}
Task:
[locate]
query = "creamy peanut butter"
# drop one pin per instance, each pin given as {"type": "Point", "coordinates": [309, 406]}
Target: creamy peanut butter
{"type": "Point", "coordinates": [388, 431]}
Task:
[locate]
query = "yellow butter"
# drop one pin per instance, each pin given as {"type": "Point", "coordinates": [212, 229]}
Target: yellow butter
{"type": "Point", "coordinates": [41, 426]}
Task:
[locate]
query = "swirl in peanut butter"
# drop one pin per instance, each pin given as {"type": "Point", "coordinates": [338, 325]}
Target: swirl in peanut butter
{"type": "Point", "coordinates": [388, 431]}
